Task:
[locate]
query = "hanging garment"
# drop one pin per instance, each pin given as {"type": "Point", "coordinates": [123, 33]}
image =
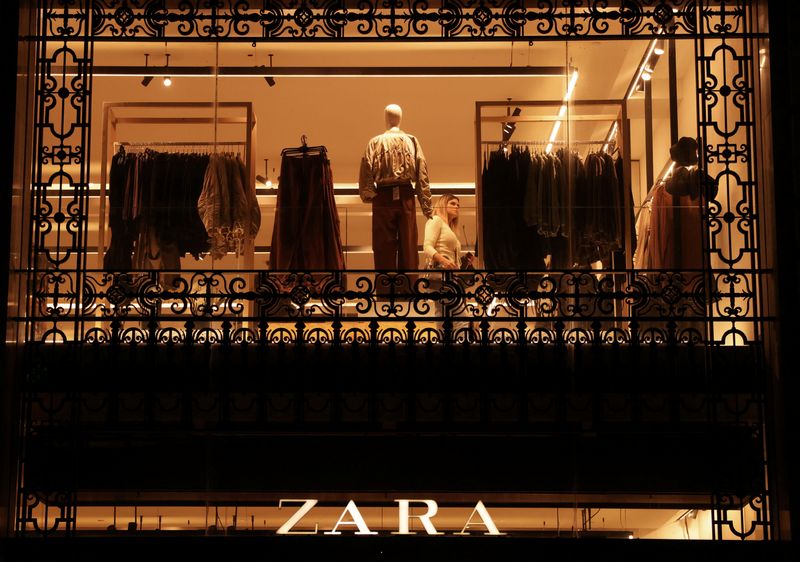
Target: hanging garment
{"type": "Point", "coordinates": [153, 210]}
{"type": "Point", "coordinates": [677, 228]}
{"type": "Point", "coordinates": [626, 200]}
{"type": "Point", "coordinates": [642, 258]}
{"type": "Point", "coordinates": [511, 240]}
{"type": "Point", "coordinates": [306, 234]}
{"type": "Point", "coordinates": [227, 205]}
{"type": "Point", "coordinates": [499, 244]}
{"type": "Point", "coordinates": [123, 232]}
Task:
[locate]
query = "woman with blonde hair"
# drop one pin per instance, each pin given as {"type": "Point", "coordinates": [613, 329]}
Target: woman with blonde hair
{"type": "Point", "coordinates": [441, 245]}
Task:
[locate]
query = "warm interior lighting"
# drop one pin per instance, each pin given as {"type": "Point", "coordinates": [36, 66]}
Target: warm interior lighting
{"type": "Point", "coordinates": [572, 81]}
{"type": "Point", "coordinates": [167, 79]}
{"type": "Point", "coordinates": [562, 111]}
{"type": "Point", "coordinates": [264, 180]}
{"type": "Point", "coordinates": [554, 133]}
{"type": "Point", "coordinates": [611, 134]}
{"type": "Point", "coordinates": [640, 73]}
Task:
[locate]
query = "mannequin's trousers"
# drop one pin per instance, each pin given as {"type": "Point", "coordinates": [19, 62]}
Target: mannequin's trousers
{"type": "Point", "coordinates": [394, 229]}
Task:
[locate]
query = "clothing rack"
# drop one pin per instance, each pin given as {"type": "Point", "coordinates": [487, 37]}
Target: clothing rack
{"type": "Point", "coordinates": [177, 144]}
{"type": "Point", "coordinates": [117, 113]}
{"type": "Point", "coordinates": [621, 141]}
{"type": "Point", "coordinates": [555, 142]}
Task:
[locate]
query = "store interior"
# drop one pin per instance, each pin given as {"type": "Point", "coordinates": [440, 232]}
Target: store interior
{"type": "Point", "coordinates": [333, 95]}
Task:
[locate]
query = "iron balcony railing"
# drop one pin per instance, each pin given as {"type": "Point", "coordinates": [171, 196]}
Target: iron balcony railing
{"type": "Point", "coordinates": [378, 308]}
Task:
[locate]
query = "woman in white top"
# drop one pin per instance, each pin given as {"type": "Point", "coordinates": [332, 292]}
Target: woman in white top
{"type": "Point", "coordinates": [441, 246]}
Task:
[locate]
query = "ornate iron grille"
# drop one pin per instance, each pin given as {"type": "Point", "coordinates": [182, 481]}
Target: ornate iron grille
{"type": "Point", "coordinates": [284, 20]}
{"type": "Point", "coordinates": [523, 308]}
{"type": "Point", "coordinates": [68, 303]}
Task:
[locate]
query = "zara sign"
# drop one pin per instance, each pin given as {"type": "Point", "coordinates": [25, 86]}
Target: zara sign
{"type": "Point", "coordinates": [351, 519]}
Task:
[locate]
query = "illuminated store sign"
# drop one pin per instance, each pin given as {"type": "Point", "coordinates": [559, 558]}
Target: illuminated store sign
{"type": "Point", "coordinates": [351, 519]}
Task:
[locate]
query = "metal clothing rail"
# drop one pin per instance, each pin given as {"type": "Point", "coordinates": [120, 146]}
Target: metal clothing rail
{"type": "Point", "coordinates": [178, 143]}
{"type": "Point", "coordinates": [623, 132]}
{"type": "Point", "coordinates": [545, 143]}
{"type": "Point", "coordinates": [111, 122]}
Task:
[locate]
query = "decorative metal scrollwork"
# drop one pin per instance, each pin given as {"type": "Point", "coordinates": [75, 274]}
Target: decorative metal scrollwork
{"type": "Point", "coordinates": [403, 19]}
{"type": "Point", "coordinates": [572, 307]}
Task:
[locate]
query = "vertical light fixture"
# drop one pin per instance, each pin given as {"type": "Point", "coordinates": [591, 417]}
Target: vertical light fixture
{"type": "Point", "coordinates": [265, 178]}
{"type": "Point", "coordinates": [167, 79]}
{"type": "Point", "coordinates": [269, 79]}
{"type": "Point", "coordinates": [510, 127]}
{"type": "Point", "coordinates": [146, 79]}
{"type": "Point", "coordinates": [562, 111]}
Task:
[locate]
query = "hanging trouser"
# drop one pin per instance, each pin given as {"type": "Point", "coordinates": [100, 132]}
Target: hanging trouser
{"type": "Point", "coordinates": [394, 228]}
{"type": "Point", "coordinates": [306, 234]}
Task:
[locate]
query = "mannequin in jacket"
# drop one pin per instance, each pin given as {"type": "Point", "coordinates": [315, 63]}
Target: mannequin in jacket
{"type": "Point", "coordinates": [393, 170]}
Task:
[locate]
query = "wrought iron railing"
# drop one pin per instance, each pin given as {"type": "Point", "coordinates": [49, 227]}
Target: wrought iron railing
{"type": "Point", "coordinates": [368, 307]}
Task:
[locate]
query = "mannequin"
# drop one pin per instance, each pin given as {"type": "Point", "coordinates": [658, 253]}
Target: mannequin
{"type": "Point", "coordinates": [391, 163]}
{"type": "Point", "coordinates": [676, 224]}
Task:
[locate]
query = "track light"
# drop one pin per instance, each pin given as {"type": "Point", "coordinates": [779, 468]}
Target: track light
{"type": "Point", "coordinates": [167, 79]}
{"type": "Point", "coordinates": [269, 79]}
{"type": "Point", "coordinates": [264, 180]}
{"type": "Point", "coordinates": [147, 79]}
{"type": "Point", "coordinates": [645, 71]}
{"type": "Point", "coordinates": [509, 128]}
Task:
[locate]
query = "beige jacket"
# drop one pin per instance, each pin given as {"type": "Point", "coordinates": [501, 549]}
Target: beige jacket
{"type": "Point", "coordinates": [391, 158]}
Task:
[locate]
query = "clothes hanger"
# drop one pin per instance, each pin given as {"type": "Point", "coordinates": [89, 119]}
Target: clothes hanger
{"type": "Point", "coordinates": [304, 149]}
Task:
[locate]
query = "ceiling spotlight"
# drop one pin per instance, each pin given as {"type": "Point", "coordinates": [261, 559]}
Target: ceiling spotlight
{"type": "Point", "coordinates": [269, 79]}
{"type": "Point", "coordinates": [147, 79]}
{"type": "Point", "coordinates": [167, 79]}
{"type": "Point", "coordinates": [264, 180]}
{"type": "Point", "coordinates": [646, 76]}
{"type": "Point", "coordinates": [509, 128]}
{"type": "Point", "coordinates": [658, 51]}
